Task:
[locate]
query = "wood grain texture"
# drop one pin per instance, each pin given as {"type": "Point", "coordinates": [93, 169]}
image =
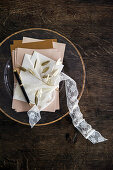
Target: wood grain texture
{"type": "Point", "coordinates": [89, 25]}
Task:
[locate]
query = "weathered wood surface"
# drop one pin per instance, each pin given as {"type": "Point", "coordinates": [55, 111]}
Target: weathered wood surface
{"type": "Point", "coordinates": [89, 25]}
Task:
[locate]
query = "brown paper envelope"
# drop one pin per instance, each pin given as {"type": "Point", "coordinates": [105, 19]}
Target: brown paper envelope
{"type": "Point", "coordinates": [34, 45]}
{"type": "Point", "coordinates": [19, 43]}
{"type": "Point", "coordinates": [51, 53]}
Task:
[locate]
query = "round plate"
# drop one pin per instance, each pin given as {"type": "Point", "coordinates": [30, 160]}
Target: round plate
{"type": "Point", "coordinates": [73, 66]}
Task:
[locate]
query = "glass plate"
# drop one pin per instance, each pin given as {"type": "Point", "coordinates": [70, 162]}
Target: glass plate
{"type": "Point", "coordinates": [73, 66]}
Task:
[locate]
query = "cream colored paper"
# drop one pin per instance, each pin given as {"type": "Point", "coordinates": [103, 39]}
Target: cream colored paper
{"type": "Point", "coordinates": [45, 87]}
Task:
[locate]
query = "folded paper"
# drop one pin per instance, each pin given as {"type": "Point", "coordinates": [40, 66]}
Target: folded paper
{"type": "Point", "coordinates": [42, 76]}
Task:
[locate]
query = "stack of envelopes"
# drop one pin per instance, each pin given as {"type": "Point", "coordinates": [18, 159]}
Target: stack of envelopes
{"type": "Point", "coordinates": [47, 47]}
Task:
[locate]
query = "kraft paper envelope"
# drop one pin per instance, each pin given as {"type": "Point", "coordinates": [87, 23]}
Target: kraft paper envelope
{"type": "Point", "coordinates": [34, 45]}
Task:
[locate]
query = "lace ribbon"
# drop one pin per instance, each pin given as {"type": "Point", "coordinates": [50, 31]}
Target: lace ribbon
{"type": "Point", "coordinates": [77, 117]}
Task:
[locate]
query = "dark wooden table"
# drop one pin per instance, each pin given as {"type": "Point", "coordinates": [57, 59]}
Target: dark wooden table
{"type": "Point", "coordinates": [89, 25]}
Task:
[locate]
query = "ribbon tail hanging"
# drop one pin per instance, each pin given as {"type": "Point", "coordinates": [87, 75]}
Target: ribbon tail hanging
{"type": "Point", "coordinates": [77, 117]}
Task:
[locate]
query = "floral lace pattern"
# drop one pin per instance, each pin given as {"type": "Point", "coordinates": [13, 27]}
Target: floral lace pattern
{"type": "Point", "coordinates": [77, 117]}
{"type": "Point", "coordinates": [34, 115]}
